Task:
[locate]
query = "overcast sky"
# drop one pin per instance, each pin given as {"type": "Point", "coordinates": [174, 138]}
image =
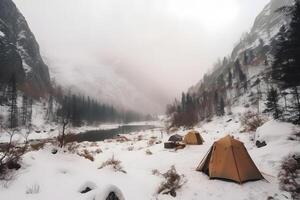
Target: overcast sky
{"type": "Point", "coordinates": [136, 53]}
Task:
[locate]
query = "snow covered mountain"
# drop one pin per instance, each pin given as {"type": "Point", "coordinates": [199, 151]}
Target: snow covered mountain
{"type": "Point", "coordinates": [265, 26]}
{"type": "Point", "coordinates": [242, 79]}
{"type": "Point", "coordinates": [19, 51]}
{"type": "Point", "coordinates": [250, 57]}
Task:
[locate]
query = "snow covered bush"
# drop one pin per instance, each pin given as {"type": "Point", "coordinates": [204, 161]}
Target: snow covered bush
{"type": "Point", "coordinates": [98, 150]}
{"type": "Point", "coordinates": [34, 189]}
{"type": "Point", "coordinates": [295, 136]}
{"type": "Point", "coordinates": [114, 163]}
{"type": "Point", "coordinates": [289, 175]}
{"type": "Point", "coordinates": [148, 152]}
{"type": "Point", "coordinates": [139, 138]}
{"type": "Point", "coordinates": [130, 148]}
{"type": "Point", "coordinates": [156, 172]}
{"type": "Point", "coordinates": [173, 181]}
{"type": "Point", "coordinates": [250, 121]}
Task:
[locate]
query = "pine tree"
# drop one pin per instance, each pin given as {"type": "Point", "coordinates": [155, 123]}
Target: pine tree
{"type": "Point", "coordinates": [13, 108]}
{"type": "Point", "coordinates": [250, 56]}
{"type": "Point", "coordinates": [50, 114]}
{"type": "Point", "coordinates": [225, 61]}
{"type": "Point", "coordinates": [286, 65]}
{"type": "Point", "coordinates": [272, 105]}
{"type": "Point", "coordinates": [221, 107]}
{"type": "Point", "coordinates": [216, 103]}
{"type": "Point", "coordinates": [296, 106]}
{"type": "Point", "coordinates": [239, 72]}
{"type": "Point", "coordinates": [24, 110]}
{"type": "Point", "coordinates": [229, 79]}
{"type": "Point", "coordinates": [278, 65]}
{"type": "Point", "coordinates": [183, 102]}
{"type": "Point", "coordinates": [29, 111]}
{"type": "Point", "coordinates": [246, 58]}
{"type": "Point", "coordinates": [287, 56]}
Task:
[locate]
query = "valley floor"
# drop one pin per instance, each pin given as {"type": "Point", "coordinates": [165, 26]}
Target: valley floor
{"type": "Point", "coordinates": [47, 176]}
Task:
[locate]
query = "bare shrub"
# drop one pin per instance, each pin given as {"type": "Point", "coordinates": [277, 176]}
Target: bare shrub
{"type": "Point", "coordinates": [295, 137]}
{"type": "Point", "coordinates": [37, 146]}
{"type": "Point", "coordinates": [289, 175]}
{"type": "Point", "coordinates": [97, 151]}
{"type": "Point", "coordinates": [250, 121]}
{"type": "Point", "coordinates": [72, 147]}
{"type": "Point", "coordinates": [86, 154]}
{"type": "Point", "coordinates": [66, 138]}
{"type": "Point", "coordinates": [130, 148]}
{"type": "Point", "coordinates": [94, 144]}
{"type": "Point", "coordinates": [122, 139]}
{"type": "Point", "coordinates": [114, 163]}
{"type": "Point", "coordinates": [156, 172]}
{"type": "Point", "coordinates": [10, 155]}
{"type": "Point", "coordinates": [172, 130]}
{"type": "Point", "coordinates": [139, 138]}
{"type": "Point", "coordinates": [34, 189]}
{"type": "Point", "coordinates": [151, 142]}
{"type": "Point", "coordinates": [173, 181]}
{"type": "Point", "coordinates": [148, 152]}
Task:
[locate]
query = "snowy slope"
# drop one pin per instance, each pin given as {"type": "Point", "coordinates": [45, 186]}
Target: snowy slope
{"type": "Point", "coordinates": [67, 173]}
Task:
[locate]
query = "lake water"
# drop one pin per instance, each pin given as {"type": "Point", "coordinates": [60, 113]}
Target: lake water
{"type": "Point", "coordinates": [100, 135]}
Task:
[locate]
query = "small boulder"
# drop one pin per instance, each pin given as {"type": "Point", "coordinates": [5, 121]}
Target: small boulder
{"type": "Point", "coordinates": [170, 145]}
{"type": "Point", "coordinates": [86, 190]}
{"type": "Point", "coordinates": [229, 120]}
{"type": "Point", "coordinates": [260, 144]}
{"type": "Point", "coordinates": [110, 192]}
{"type": "Point", "coordinates": [112, 196]}
{"type": "Point", "coordinates": [54, 151]}
{"type": "Point", "coordinates": [87, 187]}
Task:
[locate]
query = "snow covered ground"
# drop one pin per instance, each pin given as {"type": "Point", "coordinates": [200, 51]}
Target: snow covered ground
{"type": "Point", "coordinates": [50, 176]}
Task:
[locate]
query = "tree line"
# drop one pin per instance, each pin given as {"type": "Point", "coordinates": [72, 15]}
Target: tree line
{"type": "Point", "coordinates": [60, 106]}
{"type": "Point", "coordinates": [18, 115]}
{"type": "Point", "coordinates": [79, 109]}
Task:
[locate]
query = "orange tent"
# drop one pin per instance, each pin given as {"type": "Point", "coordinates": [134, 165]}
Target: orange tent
{"type": "Point", "coordinates": [193, 137]}
{"type": "Point", "coordinates": [229, 159]}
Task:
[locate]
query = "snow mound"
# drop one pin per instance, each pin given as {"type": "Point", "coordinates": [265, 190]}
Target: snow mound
{"type": "Point", "coordinates": [87, 186]}
{"type": "Point", "coordinates": [274, 130]}
{"type": "Point", "coordinates": [109, 190]}
{"type": "Point", "coordinates": [2, 34]}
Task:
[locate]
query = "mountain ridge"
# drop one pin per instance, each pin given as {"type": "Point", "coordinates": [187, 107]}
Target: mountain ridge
{"type": "Point", "coordinates": [20, 53]}
{"type": "Point", "coordinates": [265, 26]}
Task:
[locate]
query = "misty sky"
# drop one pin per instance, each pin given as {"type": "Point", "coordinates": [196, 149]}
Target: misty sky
{"type": "Point", "coordinates": [136, 53]}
